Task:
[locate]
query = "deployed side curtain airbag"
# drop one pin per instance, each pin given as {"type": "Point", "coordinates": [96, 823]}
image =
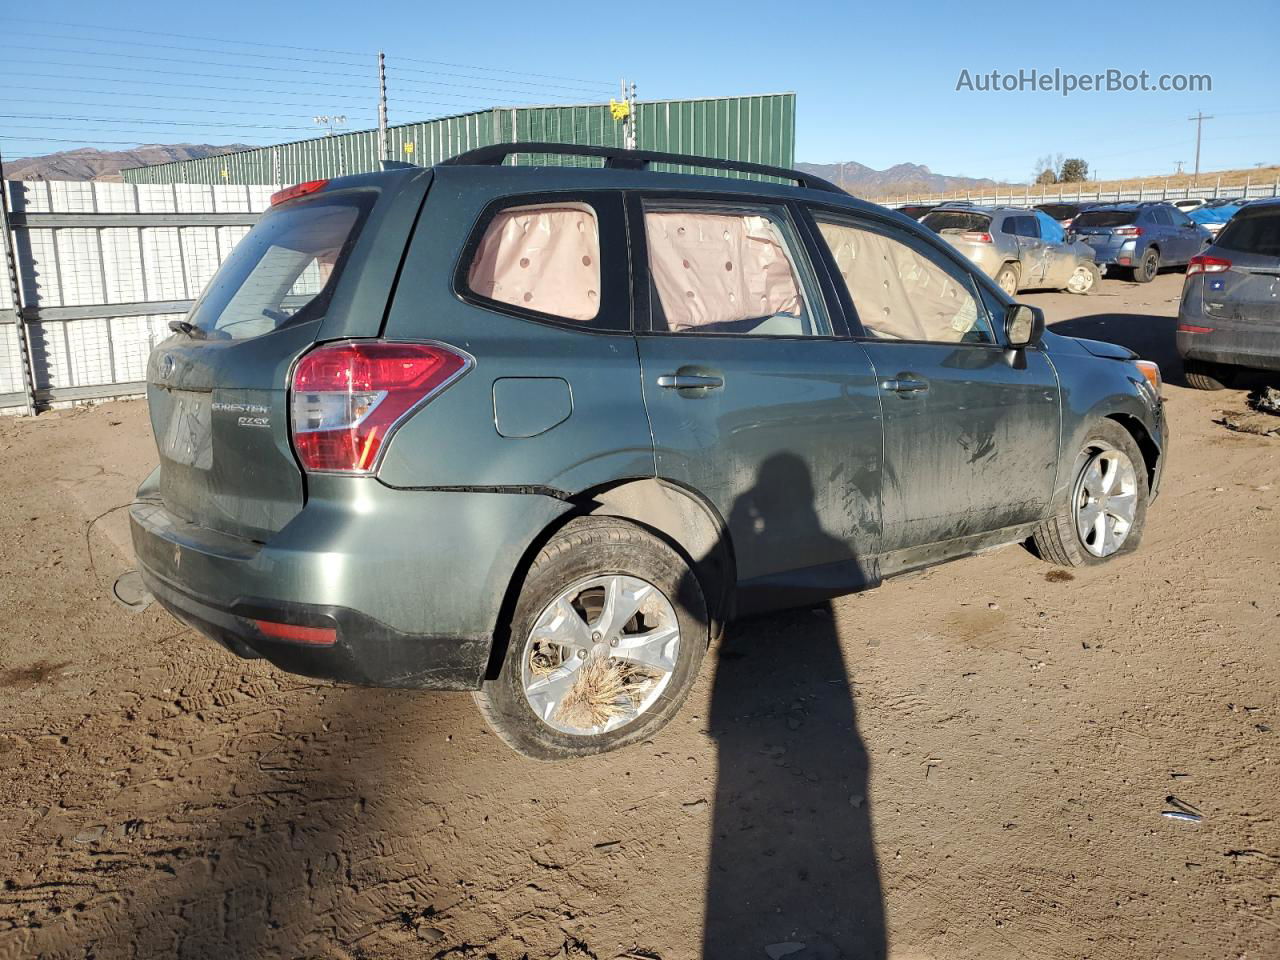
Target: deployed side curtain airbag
{"type": "Point", "coordinates": [711, 268]}
{"type": "Point", "coordinates": [541, 258]}
{"type": "Point", "coordinates": [899, 294]}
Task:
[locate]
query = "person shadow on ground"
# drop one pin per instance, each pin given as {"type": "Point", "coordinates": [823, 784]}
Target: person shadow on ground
{"type": "Point", "coordinates": [793, 868]}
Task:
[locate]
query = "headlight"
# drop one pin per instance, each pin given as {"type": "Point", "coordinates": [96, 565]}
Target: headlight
{"type": "Point", "coordinates": [1151, 372]}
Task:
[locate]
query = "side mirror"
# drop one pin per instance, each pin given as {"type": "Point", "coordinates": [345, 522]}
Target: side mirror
{"type": "Point", "coordinates": [1023, 325]}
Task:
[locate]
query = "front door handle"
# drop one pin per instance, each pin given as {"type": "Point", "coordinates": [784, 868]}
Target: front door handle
{"type": "Point", "coordinates": [904, 385]}
{"type": "Point", "coordinates": [683, 381]}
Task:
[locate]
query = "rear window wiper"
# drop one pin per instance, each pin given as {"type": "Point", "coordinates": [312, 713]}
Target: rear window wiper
{"type": "Point", "coordinates": [187, 327]}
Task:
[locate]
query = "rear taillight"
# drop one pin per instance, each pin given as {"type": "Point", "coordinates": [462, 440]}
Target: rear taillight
{"type": "Point", "coordinates": [349, 397]}
{"type": "Point", "coordinates": [1206, 264]}
{"type": "Point", "coordinates": [977, 237]}
{"type": "Point", "coordinates": [1127, 231]}
{"type": "Point", "coordinates": [297, 190]}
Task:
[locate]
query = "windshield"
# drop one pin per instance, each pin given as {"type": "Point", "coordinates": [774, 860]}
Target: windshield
{"type": "Point", "coordinates": [1258, 234]}
{"type": "Point", "coordinates": [1104, 218]}
{"type": "Point", "coordinates": [284, 266]}
{"type": "Point", "coordinates": [957, 221]}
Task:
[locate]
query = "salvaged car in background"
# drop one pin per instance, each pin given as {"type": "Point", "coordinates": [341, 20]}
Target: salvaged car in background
{"type": "Point", "coordinates": [1140, 238]}
{"type": "Point", "coordinates": [1010, 245]}
{"type": "Point", "coordinates": [1229, 317]}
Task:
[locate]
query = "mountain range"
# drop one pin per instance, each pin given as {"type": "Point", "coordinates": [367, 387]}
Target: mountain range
{"type": "Point", "coordinates": [901, 178]}
{"type": "Point", "coordinates": [88, 163]}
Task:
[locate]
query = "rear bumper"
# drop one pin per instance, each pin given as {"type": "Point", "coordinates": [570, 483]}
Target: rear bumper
{"type": "Point", "coordinates": [411, 582]}
{"type": "Point", "coordinates": [365, 651]}
{"type": "Point", "coordinates": [1125, 253]}
{"type": "Point", "coordinates": [1237, 343]}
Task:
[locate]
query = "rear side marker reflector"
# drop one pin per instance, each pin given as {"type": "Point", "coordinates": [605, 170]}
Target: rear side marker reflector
{"type": "Point", "coordinates": [1192, 328]}
{"type": "Point", "coordinates": [348, 398]}
{"type": "Point", "coordinates": [309, 636]}
{"type": "Point", "coordinates": [298, 190]}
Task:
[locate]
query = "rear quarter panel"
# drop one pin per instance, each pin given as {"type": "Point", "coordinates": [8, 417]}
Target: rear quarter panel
{"type": "Point", "coordinates": [454, 441]}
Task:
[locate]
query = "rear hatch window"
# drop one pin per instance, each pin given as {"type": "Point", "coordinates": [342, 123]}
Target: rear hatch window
{"type": "Point", "coordinates": [1059, 211]}
{"type": "Point", "coordinates": [957, 221]}
{"type": "Point", "coordinates": [1104, 218]}
{"type": "Point", "coordinates": [219, 393]}
{"type": "Point", "coordinates": [282, 272]}
{"type": "Point", "coordinates": [1252, 233]}
{"type": "Point", "coordinates": [1246, 291]}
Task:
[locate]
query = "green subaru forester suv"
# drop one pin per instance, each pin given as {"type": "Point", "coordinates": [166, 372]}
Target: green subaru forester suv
{"type": "Point", "coordinates": [540, 432]}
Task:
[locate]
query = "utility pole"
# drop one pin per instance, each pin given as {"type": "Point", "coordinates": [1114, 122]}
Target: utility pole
{"type": "Point", "coordinates": [382, 106]}
{"type": "Point", "coordinates": [633, 118]}
{"type": "Point", "coordinates": [1199, 119]}
{"type": "Point", "coordinates": [1179, 163]}
{"type": "Point", "coordinates": [15, 292]}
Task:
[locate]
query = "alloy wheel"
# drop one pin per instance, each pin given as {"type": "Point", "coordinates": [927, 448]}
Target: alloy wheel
{"type": "Point", "coordinates": [1106, 501]}
{"type": "Point", "coordinates": [600, 654]}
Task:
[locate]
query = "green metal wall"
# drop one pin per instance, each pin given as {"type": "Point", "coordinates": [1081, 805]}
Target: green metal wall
{"type": "Point", "coordinates": [760, 129]}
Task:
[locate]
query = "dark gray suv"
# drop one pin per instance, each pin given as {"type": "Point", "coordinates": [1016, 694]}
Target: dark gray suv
{"type": "Point", "coordinates": [541, 432]}
{"type": "Point", "coordinates": [1229, 315]}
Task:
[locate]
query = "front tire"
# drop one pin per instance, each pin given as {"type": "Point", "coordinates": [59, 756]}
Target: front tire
{"type": "Point", "coordinates": [1104, 509]}
{"type": "Point", "coordinates": [606, 641]}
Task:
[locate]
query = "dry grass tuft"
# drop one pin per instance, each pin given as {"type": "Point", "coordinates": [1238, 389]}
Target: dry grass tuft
{"type": "Point", "coordinates": [599, 694]}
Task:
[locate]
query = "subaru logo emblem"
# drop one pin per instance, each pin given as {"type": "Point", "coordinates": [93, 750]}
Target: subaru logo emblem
{"type": "Point", "coordinates": [166, 367]}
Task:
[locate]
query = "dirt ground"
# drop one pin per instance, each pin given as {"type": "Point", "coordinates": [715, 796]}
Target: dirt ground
{"type": "Point", "coordinates": [969, 763]}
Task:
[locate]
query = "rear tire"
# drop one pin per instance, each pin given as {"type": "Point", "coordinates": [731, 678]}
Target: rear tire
{"type": "Point", "coordinates": [1007, 278]}
{"type": "Point", "coordinates": [1147, 267]}
{"type": "Point", "coordinates": [1058, 540]}
{"type": "Point", "coordinates": [1203, 375]}
{"type": "Point", "coordinates": [586, 713]}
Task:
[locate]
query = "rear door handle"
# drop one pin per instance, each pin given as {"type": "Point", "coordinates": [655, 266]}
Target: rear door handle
{"type": "Point", "coordinates": [904, 385]}
{"type": "Point", "coordinates": [682, 381]}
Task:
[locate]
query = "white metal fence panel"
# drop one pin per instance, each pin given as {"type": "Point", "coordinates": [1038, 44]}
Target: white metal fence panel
{"type": "Point", "coordinates": [103, 268]}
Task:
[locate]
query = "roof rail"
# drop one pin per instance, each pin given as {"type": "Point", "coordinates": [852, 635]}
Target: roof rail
{"type": "Point", "coordinates": [622, 159]}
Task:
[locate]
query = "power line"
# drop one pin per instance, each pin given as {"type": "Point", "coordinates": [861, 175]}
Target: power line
{"type": "Point", "coordinates": [152, 45]}
{"type": "Point", "coordinates": [170, 73]}
{"type": "Point", "coordinates": [277, 46]}
{"type": "Point", "coordinates": [134, 143]}
{"type": "Point", "coordinates": [143, 106]}
{"type": "Point", "coordinates": [465, 86]}
{"type": "Point", "coordinates": [266, 93]}
{"type": "Point", "coordinates": [132, 56]}
{"type": "Point", "coordinates": [186, 36]}
{"type": "Point", "coordinates": [464, 66]}
{"type": "Point", "coordinates": [415, 71]}
{"type": "Point", "coordinates": [161, 123]}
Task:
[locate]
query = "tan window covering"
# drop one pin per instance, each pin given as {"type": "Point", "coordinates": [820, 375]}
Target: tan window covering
{"type": "Point", "coordinates": [900, 294]}
{"type": "Point", "coordinates": [541, 258]}
{"type": "Point", "coordinates": [719, 268]}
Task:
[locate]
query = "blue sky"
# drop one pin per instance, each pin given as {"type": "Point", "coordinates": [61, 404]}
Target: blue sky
{"type": "Point", "coordinates": [875, 83]}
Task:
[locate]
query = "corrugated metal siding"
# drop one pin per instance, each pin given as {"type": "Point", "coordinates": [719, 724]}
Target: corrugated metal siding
{"type": "Point", "coordinates": [759, 128]}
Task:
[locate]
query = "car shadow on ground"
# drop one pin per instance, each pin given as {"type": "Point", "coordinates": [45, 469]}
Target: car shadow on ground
{"type": "Point", "coordinates": [792, 854]}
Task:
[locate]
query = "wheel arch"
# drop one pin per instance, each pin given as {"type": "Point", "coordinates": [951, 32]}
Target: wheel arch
{"type": "Point", "coordinates": [1142, 437]}
{"type": "Point", "coordinates": [679, 516]}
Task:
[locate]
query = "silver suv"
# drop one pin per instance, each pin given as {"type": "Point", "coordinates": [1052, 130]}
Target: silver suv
{"type": "Point", "coordinates": [1020, 249]}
